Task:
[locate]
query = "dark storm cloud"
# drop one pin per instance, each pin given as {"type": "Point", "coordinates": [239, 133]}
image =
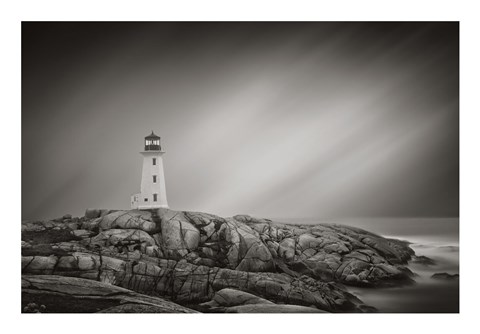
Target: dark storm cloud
{"type": "Point", "coordinates": [271, 119]}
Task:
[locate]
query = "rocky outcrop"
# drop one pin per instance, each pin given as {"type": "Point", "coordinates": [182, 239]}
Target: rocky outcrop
{"type": "Point", "coordinates": [423, 260]}
{"type": "Point", "coordinates": [139, 220]}
{"type": "Point", "coordinates": [60, 294]}
{"type": "Point", "coordinates": [336, 253]}
{"type": "Point", "coordinates": [187, 283]}
{"type": "Point", "coordinates": [196, 258]}
{"type": "Point", "coordinates": [446, 276]}
{"type": "Point", "coordinates": [235, 301]}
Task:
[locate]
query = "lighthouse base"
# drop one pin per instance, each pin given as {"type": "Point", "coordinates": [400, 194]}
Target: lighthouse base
{"type": "Point", "coordinates": [146, 207]}
{"type": "Point", "coordinates": [136, 204]}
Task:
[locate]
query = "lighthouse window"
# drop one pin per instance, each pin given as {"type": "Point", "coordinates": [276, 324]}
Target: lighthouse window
{"type": "Point", "coordinates": [154, 197]}
{"type": "Point", "coordinates": [154, 179]}
{"type": "Point", "coordinates": [154, 161]}
{"type": "Point", "coordinates": [146, 199]}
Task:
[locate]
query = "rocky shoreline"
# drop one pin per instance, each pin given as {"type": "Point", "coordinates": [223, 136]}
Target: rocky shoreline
{"type": "Point", "coordinates": [177, 261]}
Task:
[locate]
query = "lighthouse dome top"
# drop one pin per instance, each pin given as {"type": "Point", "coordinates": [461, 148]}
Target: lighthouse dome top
{"type": "Point", "coordinates": [152, 136]}
{"type": "Point", "coordinates": [152, 142]}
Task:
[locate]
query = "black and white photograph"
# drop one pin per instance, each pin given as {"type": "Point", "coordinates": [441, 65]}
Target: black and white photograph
{"type": "Point", "coordinates": [240, 167]}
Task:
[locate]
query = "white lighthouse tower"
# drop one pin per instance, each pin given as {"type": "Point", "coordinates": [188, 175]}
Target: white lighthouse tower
{"type": "Point", "coordinates": [152, 190]}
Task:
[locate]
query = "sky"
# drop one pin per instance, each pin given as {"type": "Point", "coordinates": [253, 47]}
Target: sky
{"type": "Point", "coordinates": [277, 119]}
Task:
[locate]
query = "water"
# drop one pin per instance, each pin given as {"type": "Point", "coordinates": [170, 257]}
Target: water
{"type": "Point", "coordinates": [436, 238]}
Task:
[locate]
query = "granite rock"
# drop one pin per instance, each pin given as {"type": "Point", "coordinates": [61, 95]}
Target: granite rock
{"type": "Point", "coordinates": [198, 258]}
{"type": "Point", "coordinates": [60, 294]}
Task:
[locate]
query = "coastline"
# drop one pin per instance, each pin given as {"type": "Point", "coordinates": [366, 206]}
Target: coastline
{"type": "Point", "coordinates": [427, 295]}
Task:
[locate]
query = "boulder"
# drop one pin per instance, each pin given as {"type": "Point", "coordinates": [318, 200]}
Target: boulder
{"type": "Point", "coordinates": [178, 235]}
{"type": "Point", "coordinates": [92, 213]}
{"type": "Point", "coordinates": [230, 297]}
{"type": "Point", "coordinates": [60, 294]}
{"type": "Point", "coordinates": [235, 301]}
{"type": "Point", "coordinates": [445, 276]}
{"type": "Point", "coordinates": [134, 219]}
{"type": "Point", "coordinates": [426, 261]}
{"type": "Point", "coordinates": [39, 264]}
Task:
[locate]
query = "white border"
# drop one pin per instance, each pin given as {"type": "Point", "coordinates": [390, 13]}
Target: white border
{"type": "Point", "coordinates": [13, 12]}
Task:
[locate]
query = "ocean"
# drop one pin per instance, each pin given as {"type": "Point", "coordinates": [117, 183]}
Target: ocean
{"type": "Point", "coordinates": [436, 238]}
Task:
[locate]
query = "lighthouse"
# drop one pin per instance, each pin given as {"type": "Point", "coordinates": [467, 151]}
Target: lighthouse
{"type": "Point", "coordinates": [152, 188]}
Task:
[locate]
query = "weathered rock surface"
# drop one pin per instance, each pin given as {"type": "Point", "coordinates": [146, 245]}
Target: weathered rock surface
{"type": "Point", "coordinates": [59, 294]}
{"type": "Point", "coordinates": [140, 220]}
{"type": "Point", "coordinates": [235, 301]}
{"type": "Point", "coordinates": [191, 257]}
{"type": "Point", "coordinates": [188, 283]}
{"type": "Point", "coordinates": [424, 260]}
{"type": "Point", "coordinates": [446, 276]}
